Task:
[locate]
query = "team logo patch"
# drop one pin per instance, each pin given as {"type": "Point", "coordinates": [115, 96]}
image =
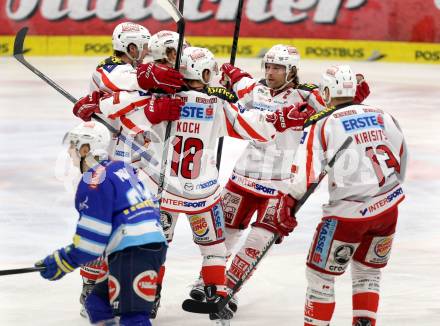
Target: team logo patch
{"type": "Point", "coordinates": [188, 186]}
{"type": "Point", "coordinates": [166, 220]}
{"type": "Point", "coordinates": [230, 203]}
{"type": "Point", "coordinates": [251, 252]}
{"type": "Point", "coordinates": [343, 254]}
{"type": "Point", "coordinates": [323, 242]}
{"type": "Point", "coordinates": [238, 268]}
{"type": "Point", "coordinates": [219, 220]}
{"type": "Point", "coordinates": [383, 247]}
{"type": "Point", "coordinates": [199, 226]}
{"type": "Point", "coordinates": [114, 288]}
{"type": "Point", "coordinates": [145, 285]}
{"type": "Point", "coordinates": [196, 111]}
{"type": "Point", "coordinates": [269, 215]}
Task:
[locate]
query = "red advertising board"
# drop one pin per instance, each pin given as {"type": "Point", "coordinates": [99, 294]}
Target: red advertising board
{"type": "Point", "coordinates": [391, 20]}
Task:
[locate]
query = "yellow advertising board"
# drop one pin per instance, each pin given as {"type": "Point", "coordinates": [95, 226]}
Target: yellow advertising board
{"type": "Point", "coordinates": [247, 47]}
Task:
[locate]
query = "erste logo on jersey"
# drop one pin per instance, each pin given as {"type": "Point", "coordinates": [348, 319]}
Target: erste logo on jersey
{"type": "Point", "coordinates": [362, 122]}
{"type": "Point", "coordinates": [195, 111]}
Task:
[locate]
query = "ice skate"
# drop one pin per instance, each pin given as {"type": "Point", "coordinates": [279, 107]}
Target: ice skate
{"type": "Point", "coordinates": [197, 291]}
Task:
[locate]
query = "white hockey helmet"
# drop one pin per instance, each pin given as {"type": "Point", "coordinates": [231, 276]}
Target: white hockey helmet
{"type": "Point", "coordinates": [128, 33]}
{"type": "Point", "coordinates": [285, 55]}
{"type": "Point", "coordinates": [196, 60]}
{"type": "Point", "coordinates": [340, 81]}
{"type": "Point", "coordinates": [93, 134]}
{"type": "Point", "coordinates": [161, 41]}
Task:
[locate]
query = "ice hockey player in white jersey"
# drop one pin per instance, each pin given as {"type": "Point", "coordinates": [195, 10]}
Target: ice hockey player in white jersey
{"type": "Point", "coordinates": [191, 184]}
{"type": "Point", "coordinates": [163, 48]}
{"type": "Point", "coordinates": [125, 70]}
{"type": "Point", "coordinates": [365, 187]}
{"type": "Point", "coordinates": [119, 220]}
{"type": "Point", "coordinates": [264, 170]}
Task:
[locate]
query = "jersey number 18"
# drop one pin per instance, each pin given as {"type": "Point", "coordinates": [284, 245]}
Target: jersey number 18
{"type": "Point", "coordinates": [191, 149]}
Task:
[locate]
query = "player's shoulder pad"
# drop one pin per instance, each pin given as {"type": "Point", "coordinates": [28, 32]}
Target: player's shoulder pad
{"type": "Point", "coordinates": [113, 60]}
{"type": "Point", "coordinates": [222, 93]}
{"type": "Point", "coordinates": [308, 87]}
{"type": "Point", "coordinates": [323, 114]}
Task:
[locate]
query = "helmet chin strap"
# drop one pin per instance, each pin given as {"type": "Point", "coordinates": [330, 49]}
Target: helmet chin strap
{"type": "Point", "coordinates": [328, 101]}
{"type": "Point", "coordinates": [135, 60]}
{"type": "Point", "coordinates": [287, 82]}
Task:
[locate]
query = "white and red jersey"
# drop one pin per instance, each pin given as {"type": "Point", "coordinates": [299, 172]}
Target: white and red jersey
{"type": "Point", "coordinates": [366, 180]}
{"type": "Point", "coordinates": [265, 168]}
{"type": "Point", "coordinates": [191, 176]}
{"type": "Point", "coordinates": [113, 75]}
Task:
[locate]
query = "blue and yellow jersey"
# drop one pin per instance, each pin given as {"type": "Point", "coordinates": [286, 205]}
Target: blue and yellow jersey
{"type": "Point", "coordinates": [116, 212]}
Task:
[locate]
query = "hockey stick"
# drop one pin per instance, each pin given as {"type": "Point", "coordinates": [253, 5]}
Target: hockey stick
{"type": "Point", "coordinates": [215, 307]}
{"type": "Point", "coordinates": [21, 270]}
{"type": "Point", "coordinates": [232, 62]}
{"type": "Point", "coordinates": [18, 54]}
{"type": "Point", "coordinates": [177, 16]}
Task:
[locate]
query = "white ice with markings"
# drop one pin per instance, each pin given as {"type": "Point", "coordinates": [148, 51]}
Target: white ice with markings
{"type": "Point", "coordinates": [37, 214]}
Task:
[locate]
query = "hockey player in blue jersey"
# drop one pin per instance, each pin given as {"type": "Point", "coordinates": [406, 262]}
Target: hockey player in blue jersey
{"type": "Point", "coordinates": [119, 218]}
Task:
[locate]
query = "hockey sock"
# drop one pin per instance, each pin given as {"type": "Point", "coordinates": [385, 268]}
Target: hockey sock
{"type": "Point", "coordinates": [320, 298]}
{"type": "Point", "coordinates": [366, 289]}
{"type": "Point", "coordinates": [365, 305]}
{"type": "Point", "coordinates": [134, 319]}
{"type": "Point", "coordinates": [98, 309]}
{"type": "Point", "coordinates": [318, 313]}
{"type": "Point", "coordinates": [215, 275]}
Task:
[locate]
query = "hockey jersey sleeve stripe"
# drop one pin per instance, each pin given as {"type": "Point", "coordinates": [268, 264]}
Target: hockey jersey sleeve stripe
{"type": "Point", "coordinates": [230, 128]}
{"type": "Point", "coordinates": [243, 92]}
{"type": "Point", "coordinates": [88, 246]}
{"type": "Point", "coordinates": [128, 108]}
{"type": "Point", "coordinates": [310, 175]}
{"type": "Point", "coordinates": [90, 232]}
{"type": "Point", "coordinates": [131, 125]}
{"type": "Point", "coordinates": [107, 81]}
{"type": "Point", "coordinates": [250, 131]}
{"type": "Point", "coordinates": [95, 225]}
{"type": "Point", "coordinates": [92, 236]}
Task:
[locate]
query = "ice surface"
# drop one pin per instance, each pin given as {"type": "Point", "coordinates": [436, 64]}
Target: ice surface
{"type": "Point", "coordinates": [37, 215]}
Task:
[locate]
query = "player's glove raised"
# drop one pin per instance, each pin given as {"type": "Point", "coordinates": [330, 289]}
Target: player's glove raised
{"type": "Point", "coordinates": [152, 76]}
{"type": "Point", "coordinates": [292, 116]}
{"type": "Point", "coordinates": [57, 265]}
{"type": "Point", "coordinates": [362, 89]}
{"type": "Point", "coordinates": [163, 109]}
{"type": "Point", "coordinates": [87, 106]}
{"type": "Point", "coordinates": [231, 75]}
{"type": "Point", "coordinates": [285, 220]}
